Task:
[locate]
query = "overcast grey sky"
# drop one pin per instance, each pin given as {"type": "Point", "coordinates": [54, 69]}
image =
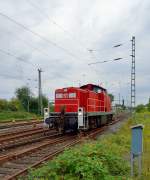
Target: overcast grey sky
{"type": "Point", "coordinates": [55, 35]}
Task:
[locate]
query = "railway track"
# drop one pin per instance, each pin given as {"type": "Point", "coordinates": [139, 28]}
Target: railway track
{"type": "Point", "coordinates": [19, 162]}
{"type": "Point", "coordinates": [20, 123]}
{"type": "Point", "coordinates": [28, 137]}
{"type": "Point", "coordinates": [6, 135]}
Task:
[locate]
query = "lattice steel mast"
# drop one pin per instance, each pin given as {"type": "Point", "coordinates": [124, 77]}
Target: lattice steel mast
{"type": "Point", "coordinates": [133, 90]}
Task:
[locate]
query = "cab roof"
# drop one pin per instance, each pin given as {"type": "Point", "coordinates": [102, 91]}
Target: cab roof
{"type": "Point", "coordinates": [91, 87]}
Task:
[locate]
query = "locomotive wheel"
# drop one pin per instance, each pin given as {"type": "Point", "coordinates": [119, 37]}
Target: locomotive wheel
{"type": "Point", "coordinates": [109, 118]}
{"type": "Point", "coordinates": [92, 122]}
{"type": "Point", "coordinates": [98, 122]}
{"type": "Point", "coordinates": [60, 130]}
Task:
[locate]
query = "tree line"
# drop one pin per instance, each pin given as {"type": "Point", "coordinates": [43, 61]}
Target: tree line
{"type": "Point", "coordinates": [142, 107]}
{"type": "Point", "coordinates": [24, 100]}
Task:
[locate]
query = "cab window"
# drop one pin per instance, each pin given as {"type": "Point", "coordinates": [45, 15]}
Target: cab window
{"type": "Point", "coordinates": [59, 95]}
{"type": "Point", "coordinates": [72, 95]}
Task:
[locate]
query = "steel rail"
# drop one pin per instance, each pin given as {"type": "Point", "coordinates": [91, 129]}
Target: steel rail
{"type": "Point", "coordinates": [22, 134]}
{"type": "Point", "coordinates": [27, 140]}
{"type": "Point", "coordinates": [14, 155]}
{"type": "Point", "coordinates": [20, 123]}
{"type": "Point", "coordinates": [50, 155]}
{"type": "Point", "coordinates": [8, 133]}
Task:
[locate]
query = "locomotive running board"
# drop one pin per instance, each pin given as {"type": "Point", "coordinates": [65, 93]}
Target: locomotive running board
{"type": "Point", "coordinates": [99, 113]}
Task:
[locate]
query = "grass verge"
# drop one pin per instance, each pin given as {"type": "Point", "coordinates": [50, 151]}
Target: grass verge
{"type": "Point", "coordinates": [107, 158]}
{"type": "Point", "coordinates": [7, 116]}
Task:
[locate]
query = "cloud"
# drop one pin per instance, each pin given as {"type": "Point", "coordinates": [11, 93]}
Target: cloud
{"type": "Point", "coordinates": [68, 30]}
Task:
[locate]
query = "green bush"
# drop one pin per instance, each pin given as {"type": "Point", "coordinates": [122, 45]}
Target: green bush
{"type": "Point", "coordinates": [3, 104]}
{"type": "Point", "coordinates": [15, 105]}
{"type": "Point", "coordinates": [140, 108]}
{"type": "Point", "coordinates": [11, 105]}
{"type": "Point", "coordinates": [148, 106]}
{"type": "Point", "coordinates": [107, 158]}
{"type": "Point", "coordinates": [92, 161]}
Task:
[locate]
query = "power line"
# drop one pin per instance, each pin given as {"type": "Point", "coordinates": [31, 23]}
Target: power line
{"type": "Point", "coordinates": [14, 56]}
{"type": "Point", "coordinates": [66, 31]}
{"type": "Point", "coordinates": [22, 60]}
{"type": "Point", "coordinates": [116, 59]}
{"type": "Point", "coordinates": [93, 54]}
{"type": "Point", "coordinates": [114, 46]}
{"type": "Point", "coordinates": [92, 51]}
{"type": "Point", "coordinates": [18, 59]}
{"type": "Point", "coordinates": [118, 45]}
{"type": "Point", "coordinates": [56, 24]}
{"type": "Point", "coordinates": [38, 35]}
{"type": "Point", "coordinates": [10, 77]}
{"type": "Point", "coordinates": [34, 48]}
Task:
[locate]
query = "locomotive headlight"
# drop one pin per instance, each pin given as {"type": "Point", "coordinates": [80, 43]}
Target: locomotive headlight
{"type": "Point", "coordinates": [80, 113]}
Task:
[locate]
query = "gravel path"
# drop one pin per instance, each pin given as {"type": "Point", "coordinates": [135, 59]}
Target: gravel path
{"type": "Point", "coordinates": [112, 129]}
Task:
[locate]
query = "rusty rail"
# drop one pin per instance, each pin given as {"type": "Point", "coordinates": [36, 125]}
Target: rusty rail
{"type": "Point", "coordinates": [14, 157]}
{"type": "Point", "coordinates": [20, 123]}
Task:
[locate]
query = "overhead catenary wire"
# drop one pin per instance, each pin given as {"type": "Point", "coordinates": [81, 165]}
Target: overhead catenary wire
{"type": "Point", "coordinates": [68, 32]}
{"type": "Point", "coordinates": [16, 57]}
{"type": "Point", "coordinates": [10, 77]}
{"type": "Point", "coordinates": [22, 60]}
{"type": "Point", "coordinates": [56, 24]}
{"type": "Point", "coordinates": [110, 48]}
{"type": "Point", "coordinates": [34, 48]}
{"type": "Point", "coordinates": [19, 59]}
{"type": "Point", "coordinates": [116, 59]}
{"type": "Point", "coordinates": [93, 51]}
{"type": "Point", "coordinates": [38, 35]}
{"type": "Point", "coordinates": [118, 45]}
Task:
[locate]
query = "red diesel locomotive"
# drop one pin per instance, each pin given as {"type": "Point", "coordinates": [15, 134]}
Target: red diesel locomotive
{"type": "Point", "coordinates": [80, 108]}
